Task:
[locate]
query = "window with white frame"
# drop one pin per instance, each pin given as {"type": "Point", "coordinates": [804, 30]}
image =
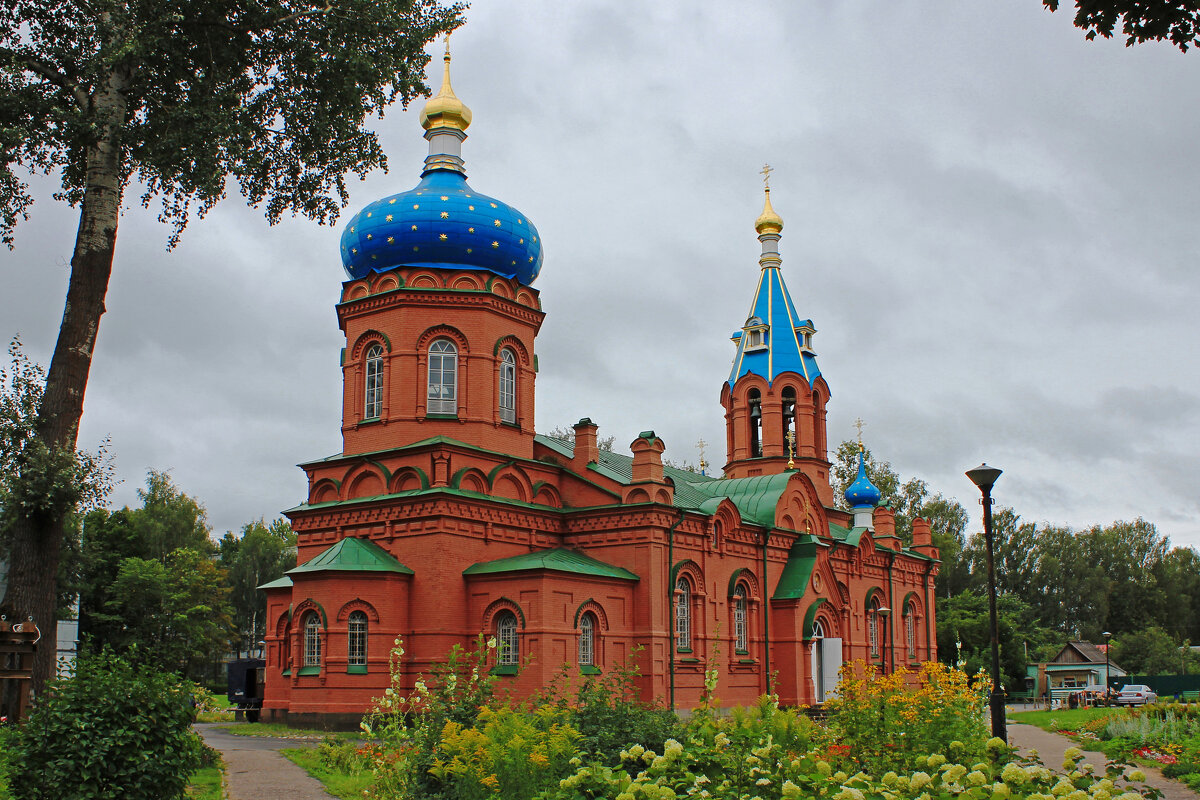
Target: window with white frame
{"type": "Point", "coordinates": [740, 639]}
{"type": "Point", "coordinates": [357, 631]}
{"type": "Point", "coordinates": [506, 638]}
{"type": "Point", "coordinates": [587, 640]}
{"type": "Point", "coordinates": [910, 628]}
{"type": "Point", "coordinates": [683, 614]}
{"type": "Point", "coordinates": [873, 626]}
{"type": "Point", "coordinates": [312, 640]}
{"type": "Point", "coordinates": [374, 365]}
{"type": "Point", "coordinates": [508, 386]}
{"type": "Point", "coordinates": [443, 377]}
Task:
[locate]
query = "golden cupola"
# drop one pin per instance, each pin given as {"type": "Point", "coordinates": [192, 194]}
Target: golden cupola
{"type": "Point", "coordinates": [768, 221]}
{"type": "Point", "coordinates": [445, 110]}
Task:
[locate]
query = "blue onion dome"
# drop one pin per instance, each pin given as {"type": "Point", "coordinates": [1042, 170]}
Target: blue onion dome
{"type": "Point", "coordinates": [862, 493]}
{"type": "Point", "coordinates": [442, 222]}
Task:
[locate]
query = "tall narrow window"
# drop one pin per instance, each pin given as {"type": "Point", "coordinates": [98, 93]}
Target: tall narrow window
{"type": "Point", "coordinates": [312, 640]}
{"type": "Point", "coordinates": [357, 627]}
{"type": "Point", "coordinates": [910, 629]}
{"type": "Point", "coordinates": [873, 626]}
{"type": "Point", "coordinates": [506, 638]}
{"type": "Point", "coordinates": [789, 420]}
{"type": "Point", "coordinates": [587, 640]}
{"type": "Point", "coordinates": [755, 400]}
{"type": "Point", "coordinates": [374, 405]}
{"type": "Point", "coordinates": [443, 377]}
{"type": "Point", "coordinates": [683, 615]}
{"type": "Point", "coordinates": [508, 386]}
{"type": "Point", "coordinates": [740, 639]}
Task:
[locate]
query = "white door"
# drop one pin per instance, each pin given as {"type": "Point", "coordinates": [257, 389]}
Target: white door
{"type": "Point", "coordinates": [831, 665]}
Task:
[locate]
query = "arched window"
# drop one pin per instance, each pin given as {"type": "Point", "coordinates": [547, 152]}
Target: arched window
{"type": "Point", "coordinates": [740, 639]}
{"type": "Point", "coordinates": [312, 640]}
{"type": "Point", "coordinates": [873, 626]}
{"type": "Point", "coordinates": [910, 629]}
{"type": "Point", "coordinates": [508, 386]}
{"type": "Point", "coordinates": [587, 640]}
{"type": "Point", "coordinates": [506, 638]}
{"type": "Point", "coordinates": [374, 404]}
{"type": "Point", "coordinates": [755, 400]}
{"type": "Point", "coordinates": [789, 419]}
{"type": "Point", "coordinates": [443, 377]}
{"type": "Point", "coordinates": [683, 615]}
{"type": "Point", "coordinates": [357, 648]}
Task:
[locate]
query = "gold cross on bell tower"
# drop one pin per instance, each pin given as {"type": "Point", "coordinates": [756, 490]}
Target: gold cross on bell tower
{"type": "Point", "coordinates": [858, 423]}
{"type": "Point", "coordinates": [766, 173]}
{"type": "Point", "coordinates": [791, 440]}
{"type": "Point", "coordinates": [700, 445]}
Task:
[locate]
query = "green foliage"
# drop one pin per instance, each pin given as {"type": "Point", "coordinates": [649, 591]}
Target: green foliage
{"type": "Point", "coordinates": [112, 730]}
{"type": "Point", "coordinates": [1150, 652]}
{"type": "Point", "coordinates": [1141, 22]}
{"type": "Point", "coordinates": [608, 713]}
{"type": "Point", "coordinates": [339, 783]}
{"type": "Point", "coordinates": [964, 619]}
{"type": "Point", "coordinates": [261, 554]}
{"type": "Point", "coordinates": [893, 721]}
{"type": "Point", "coordinates": [507, 754]}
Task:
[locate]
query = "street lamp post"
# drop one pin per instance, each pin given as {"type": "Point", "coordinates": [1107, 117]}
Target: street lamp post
{"type": "Point", "coordinates": [1107, 675]}
{"type": "Point", "coordinates": [985, 477]}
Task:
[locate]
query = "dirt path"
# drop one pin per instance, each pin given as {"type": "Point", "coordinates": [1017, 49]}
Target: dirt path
{"type": "Point", "coordinates": [255, 770]}
{"type": "Point", "coordinates": [1051, 747]}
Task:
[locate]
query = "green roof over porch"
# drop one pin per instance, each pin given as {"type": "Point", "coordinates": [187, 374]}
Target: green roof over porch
{"type": "Point", "coordinates": [353, 555]}
{"type": "Point", "coordinates": [557, 559]}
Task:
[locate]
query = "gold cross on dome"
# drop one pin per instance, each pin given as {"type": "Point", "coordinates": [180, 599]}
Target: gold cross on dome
{"type": "Point", "coordinates": [766, 173]}
{"type": "Point", "coordinates": [858, 423]}
{"type": "Point", "coordinates": [448, 41]}
{"type": "Point", "coordinates": [700, 445]}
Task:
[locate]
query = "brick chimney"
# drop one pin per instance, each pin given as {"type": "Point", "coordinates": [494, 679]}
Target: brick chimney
{"type": "Point", "coordinates": [647, 458]}
{"type": "Point", "coordinates": [922, 538]}
{"type": "Point", "coordinates": [885, 528]}
{"type": "Point", "coordinates": [587, 451]}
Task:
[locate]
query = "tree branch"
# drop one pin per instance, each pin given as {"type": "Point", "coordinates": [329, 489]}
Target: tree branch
{"type": "Point", "coordinates": [49, 74]}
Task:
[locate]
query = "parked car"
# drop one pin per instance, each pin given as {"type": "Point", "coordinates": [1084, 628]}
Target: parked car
{"type": "Point", "coordinates": [1136, 694]}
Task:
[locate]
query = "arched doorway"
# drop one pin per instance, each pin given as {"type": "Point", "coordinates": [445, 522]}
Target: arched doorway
{"type": "Point", "coordinates": [826, 662]}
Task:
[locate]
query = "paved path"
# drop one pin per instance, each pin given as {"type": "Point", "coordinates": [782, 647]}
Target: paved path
{"type": "Point", "coordinates": [1051, 748]}
{"type": "Point", "coordinates": [254, 770]}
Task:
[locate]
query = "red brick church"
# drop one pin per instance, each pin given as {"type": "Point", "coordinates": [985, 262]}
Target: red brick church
{"type": "Point", "coordinates": [446, 515]}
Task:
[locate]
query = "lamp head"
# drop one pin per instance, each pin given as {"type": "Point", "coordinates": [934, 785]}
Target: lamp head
{"type": "Point", "coordinates": [984, 477]}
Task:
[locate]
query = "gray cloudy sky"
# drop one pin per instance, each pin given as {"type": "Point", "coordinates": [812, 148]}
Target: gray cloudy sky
{"type": "Point", "coordinates": [991, 221]}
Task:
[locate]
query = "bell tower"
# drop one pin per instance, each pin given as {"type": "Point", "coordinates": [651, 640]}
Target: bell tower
{"type": "Point", "coordinates": [775, 397]}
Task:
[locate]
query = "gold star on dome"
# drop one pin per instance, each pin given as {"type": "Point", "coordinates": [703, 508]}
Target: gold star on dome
{"type": "Point", "coordinates": [416, 206]}
{"type": "Point", "coordinates": [520, 222]}
{"type": "Point", "coordinates": [520, 241]}
{"type": "Point", "coordinates": [392, 202]}
{"type": "Point", "coordinates": [496, 223]}
{"type": "Point", "coordinates": [466, 195]}
{"type": "Point", "coordinates": [388, 218]}
{"type": "Point", "coordinates": [445, 215]}
{"type": "Point", "coordinates": [493, 205]}
{"type": "Point", "coordinates": [531, 259]}
{"type": "Point", "coordinates": [445, 198]}
{"type": "Point", "coordinates": [368, 215]}
{"type": "Point", "coordinates": [535, 240]}
{"type": "Point", "coordinates": [354, 250]}
{"type": "Point", "coordinates": [369, 237]}
{"type": "Point", "coordinates": [442, 236]}
{"type": "Point", "coordinates": [352, 229]}
{"type": "Point", "coordinates": [470, 208]}
{"type": "Point", "coordinates": [420, 193]}
{"type": "Point", "coordinates": [470, 230]}
{"type": "Point", "coordinates": [514, 263]}
{"type": "Point", "coordinates": [469, 250]}
{"type": "Point", "coordinates": [495, 244]}
{"type": "Point", "coordinates": [391, 240]}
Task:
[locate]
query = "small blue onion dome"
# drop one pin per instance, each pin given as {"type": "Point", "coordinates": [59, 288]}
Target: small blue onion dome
{"type": "Point", "coordinates": [862, 493]}
{"type": "Point", "coordinates": [442, 222]}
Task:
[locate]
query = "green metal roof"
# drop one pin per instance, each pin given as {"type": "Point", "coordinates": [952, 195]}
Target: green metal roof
{"type": "Point", "coordinates": [279, 583]}
{"type": "Point", "coordinates": [754, 497]}
{"type": "Point", "coordinates": [802, 559]}
{"type": "Point", "coordinates": [557, 559]}
{"type": "Point", "coordinates": [353, 555]}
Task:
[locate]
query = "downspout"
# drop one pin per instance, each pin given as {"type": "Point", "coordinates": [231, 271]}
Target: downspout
{"type": "Point", "coordinates": [891, 620]}
{"type": "Point", "coordinates": [671, 598]}
{"type": "Point", "coordinates": [766, 603]}
{"type": "Point", "coordinates": [928, 612]}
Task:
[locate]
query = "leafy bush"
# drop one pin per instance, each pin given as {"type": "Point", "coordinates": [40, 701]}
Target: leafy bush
{"type": "Point", "coordinates": [110, 730]}
{"type": "Point", "coordinates": [889, 721]}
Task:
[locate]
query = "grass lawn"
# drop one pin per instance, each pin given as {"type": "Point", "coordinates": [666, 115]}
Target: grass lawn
{"type": "Point", "coordinates": [338, 784]}
{"type": "Point", "coordinates": [207, 784]}
{"type": "Point", "coordinates": [222, 713]}
{"type": "Point", "coordinates": [1064, 719]}
{"type": "Point", "coordinates": [281, 731]}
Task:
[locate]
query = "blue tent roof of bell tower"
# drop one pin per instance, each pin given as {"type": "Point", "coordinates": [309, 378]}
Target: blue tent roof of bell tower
{"type": "Point", "coordinates": [783, 351]}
